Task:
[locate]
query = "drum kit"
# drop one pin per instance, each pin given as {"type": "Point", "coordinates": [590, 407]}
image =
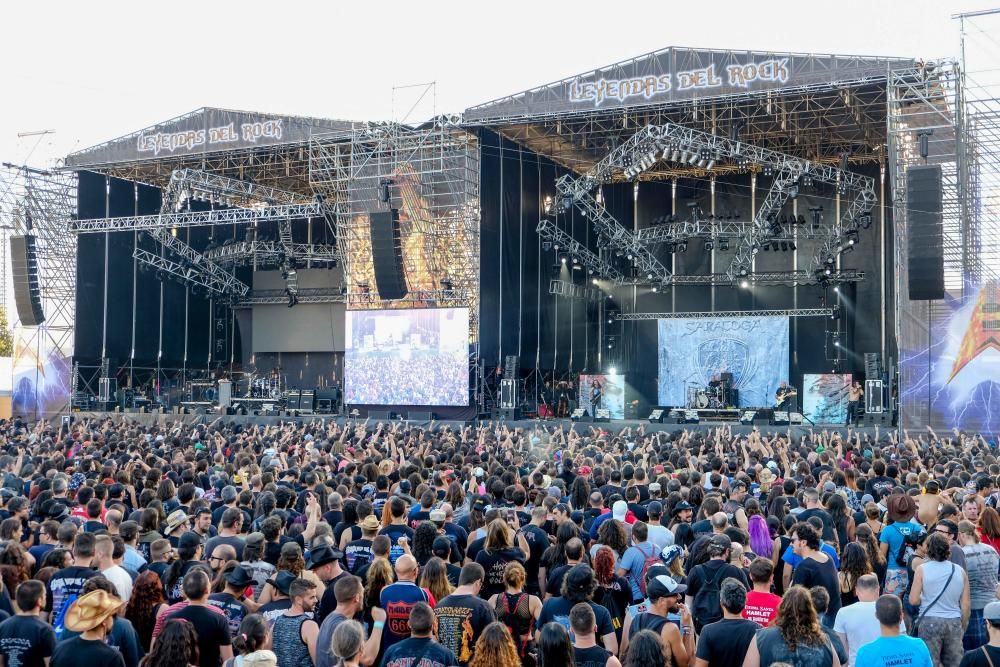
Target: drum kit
{"type": "Point", "coordinates": [264, 387]}
{"type": "Point", "coordinates": [716, 395]}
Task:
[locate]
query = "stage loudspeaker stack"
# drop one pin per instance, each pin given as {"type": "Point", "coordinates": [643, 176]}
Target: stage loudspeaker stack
{"type": "Point", "coordinates": [387, 254]}
{"type": "Point", "coordinates": [795, 418]}
{"type": "Point", "coordinates": [27, 288]}
{"type": "Point", "coordinates": [692, 417]}
{"type": "Point", "coordinates": [578, 414]}
{"type": "Point", "coordinates": [511, 414]}
{"type": "Point", "coordinates": [417, 416]}
{"type": "Point", "coordinates": [656, 417]}
{"type": "Point", "coordinates": [602, 415]}
{"type": "Point", "coordinates": [925, 233]}
{"type": "Point", "coordinates": [747, 417]}
{"type": "Point", "coordinates": [508, 393]}
{"type": "Point", "coordinates": [307, 399]}
{"type": "Point", "coordinates": [292, 399]}
{"type": "Point", "coordinates": [780, 418]}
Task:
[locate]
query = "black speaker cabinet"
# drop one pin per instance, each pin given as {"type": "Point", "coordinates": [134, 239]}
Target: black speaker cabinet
{"type": "Point", "coordinates": [924, 233]}
{"type": "Point", "coordinates": [387, 254]}
{"type": "Point", "coordinates": [27, 288]}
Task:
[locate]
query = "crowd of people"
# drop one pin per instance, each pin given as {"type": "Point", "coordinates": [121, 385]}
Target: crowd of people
{"type": "Point", "coordinates": [354, 544]}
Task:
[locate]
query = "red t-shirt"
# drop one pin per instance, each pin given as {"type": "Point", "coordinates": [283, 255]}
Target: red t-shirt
{"type": "Point", "coordinates": [761, 608]}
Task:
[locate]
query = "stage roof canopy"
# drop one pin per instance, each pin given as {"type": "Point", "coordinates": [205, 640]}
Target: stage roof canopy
{"type": "Point", "coordinates": [815, 106]}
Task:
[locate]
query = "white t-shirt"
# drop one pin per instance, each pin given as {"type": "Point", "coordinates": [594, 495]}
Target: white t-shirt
{"type": "Point", "coordinates": [858, 623]}
{"type": "Point", "coordinates": [119, 577]}
{"type": "Point", "coordinates": [661, 537]}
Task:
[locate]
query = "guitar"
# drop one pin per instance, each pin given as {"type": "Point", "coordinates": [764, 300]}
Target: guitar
{"type": "Point", "coordinates": [780, 396]}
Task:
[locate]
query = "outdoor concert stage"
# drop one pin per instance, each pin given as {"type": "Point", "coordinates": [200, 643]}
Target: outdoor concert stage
{"type": "Point", "coordinates": [687, 228]}
{"type": "Point", "coordinates": [613, 427]}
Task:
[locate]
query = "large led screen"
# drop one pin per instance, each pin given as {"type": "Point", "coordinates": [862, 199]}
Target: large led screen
{"type": "Point", "coordinates": [694, 350]}
{"type": "Point", "coordinates": [407, 357]}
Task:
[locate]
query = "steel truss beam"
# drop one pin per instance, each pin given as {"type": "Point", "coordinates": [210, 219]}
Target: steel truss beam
{"type": "Point", "coordinates": [797, 312]}
{"type": "Point", "coordinates": [186, 184]}
{"type": "Point", "coordinates": [548, 231]}
{"type": "Point", "coordinates": [453, 298]}
{"type": "Point", "coordinates": [242, 253]}
{"type": "Point", "coordinates": [685, 145]}
{"type": "Point", "coordinates": [568, 289]}
{"type": "Point", "coordinates": [227, 216]}
{"type": "Point", "coordinates": [800, 277]}
{"type": "Point", "coordinates": [280, 297]}
{"type": "Point", "coordinates": [211, 272]}
{"type": "Point", "coordinates": [189, 274]}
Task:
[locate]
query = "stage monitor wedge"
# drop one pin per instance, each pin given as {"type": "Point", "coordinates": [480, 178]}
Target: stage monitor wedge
{"type": "Point", "coordinates": [27, 287]}
{"type": "Point", "coordinates": [924, 233]}
{"type": "Point", "coordinates": [387, 254]}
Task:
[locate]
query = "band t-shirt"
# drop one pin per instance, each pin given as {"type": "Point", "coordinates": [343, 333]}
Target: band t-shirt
{"type": "Point", "coordinates": [394, 532]}
{"type": "Point", "coordinates": [418, 652]}
{"type": "Point", "coordinates": [231, 607]}
{"type": "Point", "coordinates": [25, 641]}
{"type": "Point", "coordinates": [65, 584]}
{"type": "Point", "coordinates": [461, 619]}
{"type": "Point", "coordinates": [761, 608]}
{"type": "Point", "coordinates": [494, 563]}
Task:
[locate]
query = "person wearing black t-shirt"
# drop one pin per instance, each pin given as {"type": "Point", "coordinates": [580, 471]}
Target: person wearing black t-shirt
{"type": "Point", "coordinates": [92, 615]}
{"type": "Point", "coordinates": [725, 642]}
{"type": "Point", "coordinates": [397, 529]}
{"type": "Point", "coordinates": [463, 615]}
{"type": "Point", "coordinates": [500, 550]}
{"type": "Point", "coordinates": [816, 568]}
{"type": "Point", "coordinates": [814, 508]}
{"type": "Point", "coordinates": [420, 648]}
{"type": "Point", "coordinates": [214, 641]}
{"type": "Point", "coordinates": [586, 652]}
{"type": "Point", "coordinates": [712, 573]}
{"type": "Point", "coordinates": [67, 583]}
{"type": "Point", "coordinates": [25, 639]}
{"type": "Point", "coordinates": [578, 586]}
{"type": "Point", "coordinates": [230, 601]}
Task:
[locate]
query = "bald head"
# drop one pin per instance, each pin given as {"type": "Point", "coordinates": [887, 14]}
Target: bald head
{"type": "Point", "coordinates": [720, 522]}
{"type": "Point", "coordinates": [406, 568]}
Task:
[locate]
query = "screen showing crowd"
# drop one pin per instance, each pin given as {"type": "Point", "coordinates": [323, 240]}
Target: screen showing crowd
{"type": "Point", "coordinates": [407, 357]}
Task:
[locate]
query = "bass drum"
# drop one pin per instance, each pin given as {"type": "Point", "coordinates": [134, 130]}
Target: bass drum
{"type": "Point", "coordinates": [701, 400]}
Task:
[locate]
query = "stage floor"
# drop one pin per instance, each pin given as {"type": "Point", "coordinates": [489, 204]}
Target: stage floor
{"type": "Point", "coordinates": [582, 426]}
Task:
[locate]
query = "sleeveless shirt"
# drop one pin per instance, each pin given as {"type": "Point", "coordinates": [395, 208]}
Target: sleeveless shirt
{"type": "Point", "coordinates": [286, 640]}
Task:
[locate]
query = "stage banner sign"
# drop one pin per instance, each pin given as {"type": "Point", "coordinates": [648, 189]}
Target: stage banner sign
{"type": "Point", "coordinates": [613, 396]}
{"type": "Point", "coordinates": [677, 74]}
{"type": "Point", "coordinates": [753, 349]}
{"type": "Point", "coordinates": [206, 130]}
{"type": "Point", "coordinates": [824, 397]}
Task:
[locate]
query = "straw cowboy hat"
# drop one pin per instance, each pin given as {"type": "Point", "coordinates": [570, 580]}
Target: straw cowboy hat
{"type": "Point", "coordinates": [176, 518]}
{"type": "Point", "coordinates": [90, 610]}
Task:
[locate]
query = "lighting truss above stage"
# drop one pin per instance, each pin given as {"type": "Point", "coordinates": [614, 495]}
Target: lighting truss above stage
{"type": "Point", "coordinates": [688, 146]}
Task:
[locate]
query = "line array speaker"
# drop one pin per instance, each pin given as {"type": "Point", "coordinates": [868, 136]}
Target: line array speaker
{"type": "Point", "coordinates": [924, 233]}
{"type": "Point", "coordinates": [387, 254]}
{"type": "Point", "coordinates": [27, 289]}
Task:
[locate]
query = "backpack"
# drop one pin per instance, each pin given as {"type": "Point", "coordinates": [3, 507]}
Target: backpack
{"type": "Point", "coordinates": [706, 607]}
{"type": "Point", "coordinates": [905, 548]}
{"type": "Point", "coordinates": [650, 560]}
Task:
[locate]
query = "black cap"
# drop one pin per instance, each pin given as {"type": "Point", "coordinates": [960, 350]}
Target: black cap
{"type": "Point", "coordinates": [189, 540]}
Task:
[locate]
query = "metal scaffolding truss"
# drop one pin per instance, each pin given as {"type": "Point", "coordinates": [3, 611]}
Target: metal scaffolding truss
{"type": "Point", "coordinates": [563, 242]}
{"type": "Point", "coordinates": [190, 274]}
{"type": "Point", "coordinates": [573, 291]}
{"type": "Point", "coordinates": [46, 201]}
{"type": "Point", "coordinates": [270, 253]}
{"type": "Point", "coordinates": [797, 312]}
{"type": "Point", "coordinates": [431, 177]}
{"type": "Point", "coordinates": [187, 184]}
{"type": "Point", "coordinates": [280, 297]}
{"type": "Point", "coordinates": [209, 272]}
{"type": "Point", "coordinates": [799, 277]}
{"type": "Point", "coordinates": [226, 216]}
{"type": "Point", "coordinates": [688, 146]}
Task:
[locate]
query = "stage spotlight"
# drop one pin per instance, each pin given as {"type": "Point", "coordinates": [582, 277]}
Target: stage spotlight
{"type": "Point", "coordinates": [612, 371]}
{"type": "Point", "coordinates": [563, 260]}
{"type": "Point", "coordinates": [655, 288]}
{"type": "Point", "coordinates": [852, 236]}
{"type": "Point", "coordinates": [837, 313]}
{"type": "Point", "coordinates": [784, 246]}
{"type": "Point", "coordinates": [546, 246]}
{"type": "Point", "coordinates": [723, 244]}
{"type": "Point", "coordinates": [865, 220]}
{"type": "Point", "coordinates": [682, 246]}
{"type": "Point", "coordinates": [649, 276]}
{"type": "Point", "coordinates": [548, 204]}
{"type": "Point", "coordinates": [594, 281]}
{"type": "Point", "coordinates": [836, 290]}
{"type": "Point", "coordinates": [744, 284]}
{"type": "Point", "coordinates": [709, 245]}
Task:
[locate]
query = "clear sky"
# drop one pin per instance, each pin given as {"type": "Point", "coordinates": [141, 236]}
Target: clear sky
{"type": "Point", "coordinates": [93, 71]}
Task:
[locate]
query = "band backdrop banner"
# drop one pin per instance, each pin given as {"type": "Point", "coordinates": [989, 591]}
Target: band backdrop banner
{"type": "Point", "coordinates": [824, 397]}
{"type": "Point", "coordinates": [613, 398]}
{"type": "Point", "coordinates": [753, 349]}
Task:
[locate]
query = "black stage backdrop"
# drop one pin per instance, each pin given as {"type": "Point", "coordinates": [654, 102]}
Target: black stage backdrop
{"type": "Point", "coordinates": [551, 333]}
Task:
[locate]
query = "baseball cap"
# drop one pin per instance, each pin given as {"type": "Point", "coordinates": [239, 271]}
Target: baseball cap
{"type": "Point", "coordinates": [655, 507]}
{"type": "Point", "coordinates": [189, 540]}
{"type": "Point", "coordinates": [662, 586]}
{"type": "Point", "coordinates": [255, 538]}
{"type": "Point", "coordinates": [655, 486]}
{"type": "Point", "coordinates": [719, 544]}
{"type": "Point", "coordinates": [992, 612]}
{"type": "Point", "coordinates": [619, 510]}
{"type": "Point", "coordinates": [437, 516]}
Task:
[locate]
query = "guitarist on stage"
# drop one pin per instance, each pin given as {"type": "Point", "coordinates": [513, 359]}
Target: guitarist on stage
{"type": "Point", "coordinates": [596, 394]}
{"type": "Point", "coordinates": [783, 397]}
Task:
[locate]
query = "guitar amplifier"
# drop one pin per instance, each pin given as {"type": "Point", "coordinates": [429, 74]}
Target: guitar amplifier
{"type": "Point", "coordinates": [307, 399]}
{"type": "Point", "coordinates": [780, 418]}
{"type": "Point", "coordinates": [292, 397]}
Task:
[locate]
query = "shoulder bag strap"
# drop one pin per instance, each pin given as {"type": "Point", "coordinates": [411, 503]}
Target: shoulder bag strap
{"type": "Point", "coordinates": [987, 654]}
{"type": "Point", "coordinates": [935, 600]}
